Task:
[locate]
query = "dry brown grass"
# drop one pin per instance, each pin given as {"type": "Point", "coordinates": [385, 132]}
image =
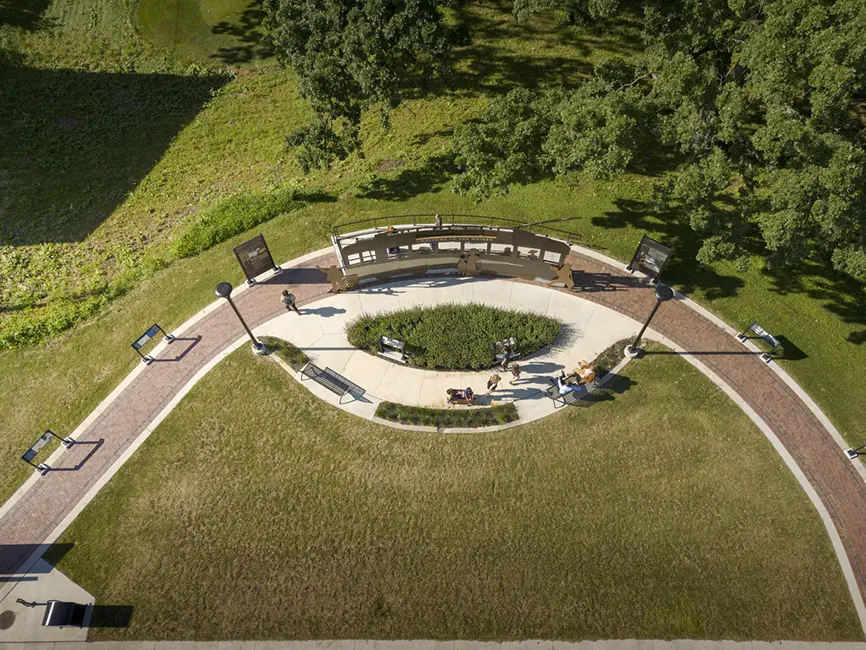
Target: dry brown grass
{"type": "Point", "coordinates": [661, 513]}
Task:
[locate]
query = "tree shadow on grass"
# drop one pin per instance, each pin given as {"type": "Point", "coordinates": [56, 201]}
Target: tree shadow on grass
{"type": "Point", "coordinates": [409, 182]}
{"type": "Point", "coordinates": [252, 41]}
{"type": "Point", "coordinates": [683, 269]}
{"type": "Point", "coordinates": [24, 14]}
{"type": "Point", "coordinates": [495, 53]}
{"type": "Point", "coordinates": [75, 144]}
{"type": "Point", "coordinates": [839, 294]}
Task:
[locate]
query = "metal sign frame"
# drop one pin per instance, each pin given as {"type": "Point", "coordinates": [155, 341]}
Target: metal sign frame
{"type": "Point", "coordinates": [255, 258]}
{"type": "Point", "coordinates": [142, 340]}
{"type": "Point", "coordinates": [37, 446]}
{"type": "Point", "coordinates": [650, 249]}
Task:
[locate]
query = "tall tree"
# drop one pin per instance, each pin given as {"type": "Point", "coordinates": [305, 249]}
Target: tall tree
{"type": "Point", "coordinates": [351, 55]}
{"type": "Point", "coordinates": [757, 98]}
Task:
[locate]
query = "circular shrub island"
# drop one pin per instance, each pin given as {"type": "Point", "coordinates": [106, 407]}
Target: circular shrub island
{"type": "Point", "coordinates": [453, 337]}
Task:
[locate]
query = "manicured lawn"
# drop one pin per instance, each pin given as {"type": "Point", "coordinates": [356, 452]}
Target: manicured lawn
{"type": "Point", "coordinates": [454, 337]}
{"type": "Point", "coordinates": [273, 515]}
{"type": "Point", "coordinates": [206, 148]}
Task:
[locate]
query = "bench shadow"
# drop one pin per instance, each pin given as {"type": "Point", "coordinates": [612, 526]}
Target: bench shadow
{"type": "Point", "coordinates": [94, 445]}
{"type": "Point", "coordinates": [194, 342]}
{"type": "Point", "coordinates": [108, 616]}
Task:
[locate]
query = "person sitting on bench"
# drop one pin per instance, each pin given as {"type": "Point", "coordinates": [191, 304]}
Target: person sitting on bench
{"type": "Point", "coordinates": [585, 373]}
{"type": "Point", "coordinates": [458, 396]}
{"type": "Point", "coordinates": [564, 388]}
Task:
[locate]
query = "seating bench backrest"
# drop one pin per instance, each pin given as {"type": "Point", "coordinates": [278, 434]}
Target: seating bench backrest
{"type": "Point", "coordinates": [771, 340]}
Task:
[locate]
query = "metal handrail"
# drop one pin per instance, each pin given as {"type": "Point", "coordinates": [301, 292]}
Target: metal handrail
{"type": "Point", "coordinates": [492, 221]}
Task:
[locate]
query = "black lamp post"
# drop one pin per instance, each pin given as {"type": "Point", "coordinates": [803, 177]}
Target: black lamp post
{"type": "Point", "coordinates": [224, 290]}
{"type": "Point", "coordinates": [663, 294]}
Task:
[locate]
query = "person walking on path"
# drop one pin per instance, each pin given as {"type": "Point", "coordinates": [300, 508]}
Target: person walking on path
{"type": "Point", "coordinates": [288, 299]}
{"type": "Point", "coordinates": [515, 373]}
{"type": "Point", "coordinates": [493, 383]}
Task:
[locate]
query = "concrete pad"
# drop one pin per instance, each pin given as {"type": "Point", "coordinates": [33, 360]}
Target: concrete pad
{"type": "Point", "coordinates": [400, 385]}
{"type": "Point", "coordinates": [333, 351]}
{"type": "Point", "coordinates": [571, 309]}
{"type": "Point", "coordinates": [453, 290]}
{"type": "Point", "coordinates": [530, 297]}
{"type": "Point", "coordinates": [42, 583]}
{"type": "Point", "coordinates": [298, 330]}
{"type": "Point", "coordinates": [334, 313]}
{"type": "Point", "coordinates": [416, 296]}
{"type": "Point", "coordinates": [494, 293]}
{"type": "Point", "coordinates": [366, 370]}
{"type": "Point", "coordinates": [378, 299]}
{"type": "Point", "coordinates": [405, 645]}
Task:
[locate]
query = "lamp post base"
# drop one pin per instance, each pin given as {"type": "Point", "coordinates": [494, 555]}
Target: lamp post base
{"type": "Point", "coordinates": [259, 349]}
{"type": "Point", "coordinates": [632, 352]}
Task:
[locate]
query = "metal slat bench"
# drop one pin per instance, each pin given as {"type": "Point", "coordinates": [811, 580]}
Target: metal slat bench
{"type": "Point", "coordinates": [575, 398]}
{"type": "Point", "coordinates": [332, 380]}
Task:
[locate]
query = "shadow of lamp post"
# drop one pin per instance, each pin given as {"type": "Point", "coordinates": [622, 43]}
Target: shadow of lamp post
{"type": "Point", "coordinates": [224, 290]}
{"type": "Point", "coordinates": [663, 294]}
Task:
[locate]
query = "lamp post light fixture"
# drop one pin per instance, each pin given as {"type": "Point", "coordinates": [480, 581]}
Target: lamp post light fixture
{"type": "Point", "coordinates": [663, 294]}
{"type": "Point", "coordinates": [224, 290]}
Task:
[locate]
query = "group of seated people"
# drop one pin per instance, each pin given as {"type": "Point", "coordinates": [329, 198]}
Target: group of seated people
{"type": "Point", "coordinates": [574, 381]}
{"type": "Point", "coordinates": [584, 374]}
{"type": "Point", "coordinates": [461, 396]}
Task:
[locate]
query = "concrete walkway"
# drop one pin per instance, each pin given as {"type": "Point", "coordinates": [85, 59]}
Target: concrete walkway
{"type": "Point", "coordinates": [321, 333]}
{"type": "Point", "coordinates": [44, 506]}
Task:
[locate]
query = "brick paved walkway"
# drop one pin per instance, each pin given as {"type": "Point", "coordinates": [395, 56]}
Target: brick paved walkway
{"type": "Point", "coordinates": [33, 518]}
{"type": "Point", "coordinates": [833, 476]}
{"type": "Point", "coordinates": [42, 508]}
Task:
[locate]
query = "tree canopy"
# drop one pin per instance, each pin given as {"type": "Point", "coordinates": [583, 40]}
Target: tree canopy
{"type": "Point", "coordinates": [755, 105]}
{"type": "Point", "coordinates": [350, 55]}
{"type": "Point", "coordinates": [754, 99]}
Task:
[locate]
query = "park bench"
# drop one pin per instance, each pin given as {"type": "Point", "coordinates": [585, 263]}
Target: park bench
{"type": "Point", "coordinates": [575, 398]}
{"type": "Point", "coordinates": [393, 349]}
{"type": "Point", "coordinates": [331, 380]}
{"type": "Point", "coordinates": [763, 334]}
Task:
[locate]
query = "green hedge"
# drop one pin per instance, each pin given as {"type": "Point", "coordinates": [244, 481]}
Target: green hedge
{"type": "Point", "coordinates": [286, 351]}
{"type": "Point", "coordinates": [232, 216]}
{"type": "Point", "coordinates": [464, 418]}
{"type": "Point", "coordinates": [453, 337]}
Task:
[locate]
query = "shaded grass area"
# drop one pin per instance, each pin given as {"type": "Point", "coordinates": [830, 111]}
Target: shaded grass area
{"type": "Point", "coordinates": [448, 418]}
{"type": "Point", "coordinates": [225, 31]}
{"type": "Point", "coordinates": [623, 520]}
{"type": "Point", "coordinates": [454, 336]}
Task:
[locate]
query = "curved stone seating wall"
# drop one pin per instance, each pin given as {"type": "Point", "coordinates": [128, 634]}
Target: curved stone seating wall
{"type": "Point", "coordinates": [418, 250]}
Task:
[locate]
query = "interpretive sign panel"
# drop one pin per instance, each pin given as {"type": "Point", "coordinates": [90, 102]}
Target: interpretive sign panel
{"type": "Point", "coordinates": [37, 446]}
{"type": "Point", "coordinates": [651, 257]}
{"type": "Point", "coordinates": [254, 257]}
{"type": "Point", "coordinates": [142, 340]}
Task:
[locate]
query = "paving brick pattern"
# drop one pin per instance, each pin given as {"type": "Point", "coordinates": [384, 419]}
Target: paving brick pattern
{"type": "Point", "coordinates": [833, 476]}
{"type": "Point", "coordinates": [42, 508]}
{"type": "Point", "coordinates": [32, 519]}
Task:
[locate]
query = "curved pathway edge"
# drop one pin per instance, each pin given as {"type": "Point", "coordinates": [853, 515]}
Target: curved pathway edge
{"type": "Point", "coordinates": [806, 477]}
